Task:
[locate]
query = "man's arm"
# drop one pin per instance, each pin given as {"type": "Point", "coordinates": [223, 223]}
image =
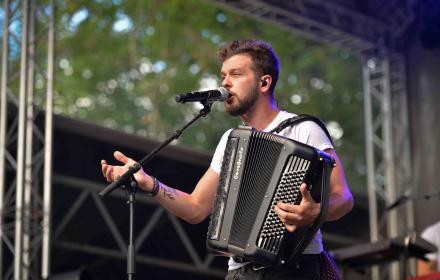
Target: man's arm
{"type": "Point", "coordinates": [340, 201]}
{"type": "Point", "coordinates": [194, 207]}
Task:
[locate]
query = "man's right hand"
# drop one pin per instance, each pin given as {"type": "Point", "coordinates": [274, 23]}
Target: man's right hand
{"type": "Point", "coordinates": [113, 172]}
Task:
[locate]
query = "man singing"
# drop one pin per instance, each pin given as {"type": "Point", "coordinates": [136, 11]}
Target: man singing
{"type": "Point", "coordinates": [249, 71]}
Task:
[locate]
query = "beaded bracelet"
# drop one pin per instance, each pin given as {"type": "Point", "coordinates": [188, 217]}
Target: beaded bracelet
{"type": "Point", "coordinates": [156, 187]}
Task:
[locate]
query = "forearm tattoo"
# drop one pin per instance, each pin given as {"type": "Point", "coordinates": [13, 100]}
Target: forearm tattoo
{"type": "Point", "coordinates": [168, 192]}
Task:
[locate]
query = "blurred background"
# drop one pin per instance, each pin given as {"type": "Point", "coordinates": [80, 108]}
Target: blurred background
{"type": "Point", "coordinates": [81, 79]}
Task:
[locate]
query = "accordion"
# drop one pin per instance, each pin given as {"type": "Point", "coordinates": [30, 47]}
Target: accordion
{"type": "Point", "coordinates": [260, 169]}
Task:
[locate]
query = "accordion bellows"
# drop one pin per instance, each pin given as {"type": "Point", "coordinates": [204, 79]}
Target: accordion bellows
{"type": "Point", "coordinates": [258, 170]}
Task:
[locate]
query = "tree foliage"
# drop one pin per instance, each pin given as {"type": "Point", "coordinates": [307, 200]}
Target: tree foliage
{"type": "Point", "coordinates": [120, 64]}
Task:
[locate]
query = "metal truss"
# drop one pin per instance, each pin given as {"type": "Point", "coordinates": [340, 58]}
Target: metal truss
{"type": "Point", "coordinates": [378, 133]}
{"type": "Point", "coordinates": [24, 192]}
{"type": "Point", "coordinates": [327, 22]}
{"type": "Point", "coordinates": [398, 15]}
{"type": "Point", "coordinates": [87, 189]}
{"type": "Point", "coordinates": [388, 150]}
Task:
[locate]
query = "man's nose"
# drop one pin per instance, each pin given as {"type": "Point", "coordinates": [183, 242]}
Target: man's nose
{"type": "Point", "coordinates": [226, 83]}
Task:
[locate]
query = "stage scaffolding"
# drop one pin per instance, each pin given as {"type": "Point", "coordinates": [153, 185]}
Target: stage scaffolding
{"type": "Point", "coordinates": [25, 150]}
{"type": "Point", "coordinates": [25, 204]}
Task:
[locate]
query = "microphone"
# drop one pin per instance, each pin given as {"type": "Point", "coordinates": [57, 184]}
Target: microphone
{"type": "Point", "coordinates": [207, 96]}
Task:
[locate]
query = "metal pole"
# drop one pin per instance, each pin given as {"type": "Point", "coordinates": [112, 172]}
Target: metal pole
{"type": "Point", "coordinates": [18, 248]}
{"type": "Point", "coordinates": [28, 167]}
{"type": "Point", "coordinates": [3, 119]}
{"type": "Point", "coordinates": [405, 176]}
{"type": "Point", "coordinates": [403, 169]}
{"type": "Point", "coordinates": [47, 189]}
{"type": "Point", "coordinates": [369, 135]}
{"type": "Point", "coordinates": [389, 159]}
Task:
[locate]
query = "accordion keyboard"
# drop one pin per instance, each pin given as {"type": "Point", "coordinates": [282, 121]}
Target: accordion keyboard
{"type": "Point", "coordinates": [272, 231]}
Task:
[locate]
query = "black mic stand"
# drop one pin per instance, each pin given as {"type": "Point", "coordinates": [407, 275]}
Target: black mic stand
{"type": "Point", "coordinates": [128, 182]}
{"type": "Point", "coordinates": [405, 197]}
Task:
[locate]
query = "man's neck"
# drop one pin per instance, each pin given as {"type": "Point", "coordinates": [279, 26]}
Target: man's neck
{"type": "Point", "coordinates": [260, 118]}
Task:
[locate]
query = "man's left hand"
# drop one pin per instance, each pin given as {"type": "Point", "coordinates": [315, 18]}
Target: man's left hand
{"type": "Point", "coordinates": [294, 216]}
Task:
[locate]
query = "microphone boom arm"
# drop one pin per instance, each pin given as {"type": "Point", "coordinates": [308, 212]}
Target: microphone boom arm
{"type": "Point", "coordinates": [405, 197]}
{"type": "Point", "coordinates": [124, 179]}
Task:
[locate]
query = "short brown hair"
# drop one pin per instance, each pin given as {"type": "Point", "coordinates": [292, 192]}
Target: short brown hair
{"type": "Point", "coordinates": [262, 54]}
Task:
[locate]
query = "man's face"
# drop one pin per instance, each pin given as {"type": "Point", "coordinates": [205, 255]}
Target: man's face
{"type": "Point", "coordinates": [239, 78]}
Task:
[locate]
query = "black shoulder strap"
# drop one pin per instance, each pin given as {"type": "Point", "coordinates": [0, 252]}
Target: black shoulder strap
{"type": "Point", "coordinates": [300, 118]}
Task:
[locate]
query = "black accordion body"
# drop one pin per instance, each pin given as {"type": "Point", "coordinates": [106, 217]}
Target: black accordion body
{"type": "Point", "coordinates": [260, 169]}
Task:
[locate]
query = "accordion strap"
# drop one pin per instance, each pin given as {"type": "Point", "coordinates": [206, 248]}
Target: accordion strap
{"type": "Point", "coordinates": [298, 119]}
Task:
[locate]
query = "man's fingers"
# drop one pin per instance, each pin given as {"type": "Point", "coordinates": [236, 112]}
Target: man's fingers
{"type": "Point", "coordinates": [111, 172]}
{"type": "Point", "coordinates": [285, 215]}
{"type": "Point", "coordinates": [305, 193]}
{"type": "Point", "coordinates": [108, 174]}
{"type": "Point", "coordinates": [104, 167]}
{"type": "Point", "coordinates": [121, 157]}
{"type": "Point", "coordinates": [290, 228]}
{"type": "Point", "coordinates": [288, 219]}
{"type": "Point", "coordinates": [285, 206]}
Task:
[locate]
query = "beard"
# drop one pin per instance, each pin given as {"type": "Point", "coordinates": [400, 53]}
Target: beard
{"type": "Point", "coordinates": [244, 104]}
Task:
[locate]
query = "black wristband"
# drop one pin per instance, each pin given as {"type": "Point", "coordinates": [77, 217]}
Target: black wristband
{"type": "Point", "coordinates": [156, 187]}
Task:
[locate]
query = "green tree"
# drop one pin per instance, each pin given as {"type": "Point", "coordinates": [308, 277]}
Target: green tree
{"type": "Point", "coordinates": [120, 64]}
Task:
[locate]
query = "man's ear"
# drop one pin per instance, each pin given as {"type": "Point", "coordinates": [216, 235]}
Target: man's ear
{"type": "Point", "coordinates": [265, 80]}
